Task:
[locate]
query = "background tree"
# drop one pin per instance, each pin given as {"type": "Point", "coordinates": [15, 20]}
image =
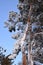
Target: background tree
{"type": "Point", "coordinates": [4, 60]}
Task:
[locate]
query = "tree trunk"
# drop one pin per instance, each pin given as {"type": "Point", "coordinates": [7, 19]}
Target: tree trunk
{"type": "Point", "coordinates": [30, 61]}
{"type": "Point", "coordinates": [24, 59]}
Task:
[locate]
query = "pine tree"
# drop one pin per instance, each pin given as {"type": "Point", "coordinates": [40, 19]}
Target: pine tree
{"type": "Point", "coordinates": [4, 60]}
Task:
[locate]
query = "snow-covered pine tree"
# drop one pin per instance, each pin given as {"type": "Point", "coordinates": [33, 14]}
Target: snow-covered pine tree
{"type": "Point", "coordinates": [28, 25]}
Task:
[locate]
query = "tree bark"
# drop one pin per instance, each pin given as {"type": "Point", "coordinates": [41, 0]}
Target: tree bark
{"type": "Point", "coordinates": [24, 59]}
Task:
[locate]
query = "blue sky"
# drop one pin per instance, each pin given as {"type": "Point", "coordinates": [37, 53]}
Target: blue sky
{"type": "Point", "coordinates": [5, 36]}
